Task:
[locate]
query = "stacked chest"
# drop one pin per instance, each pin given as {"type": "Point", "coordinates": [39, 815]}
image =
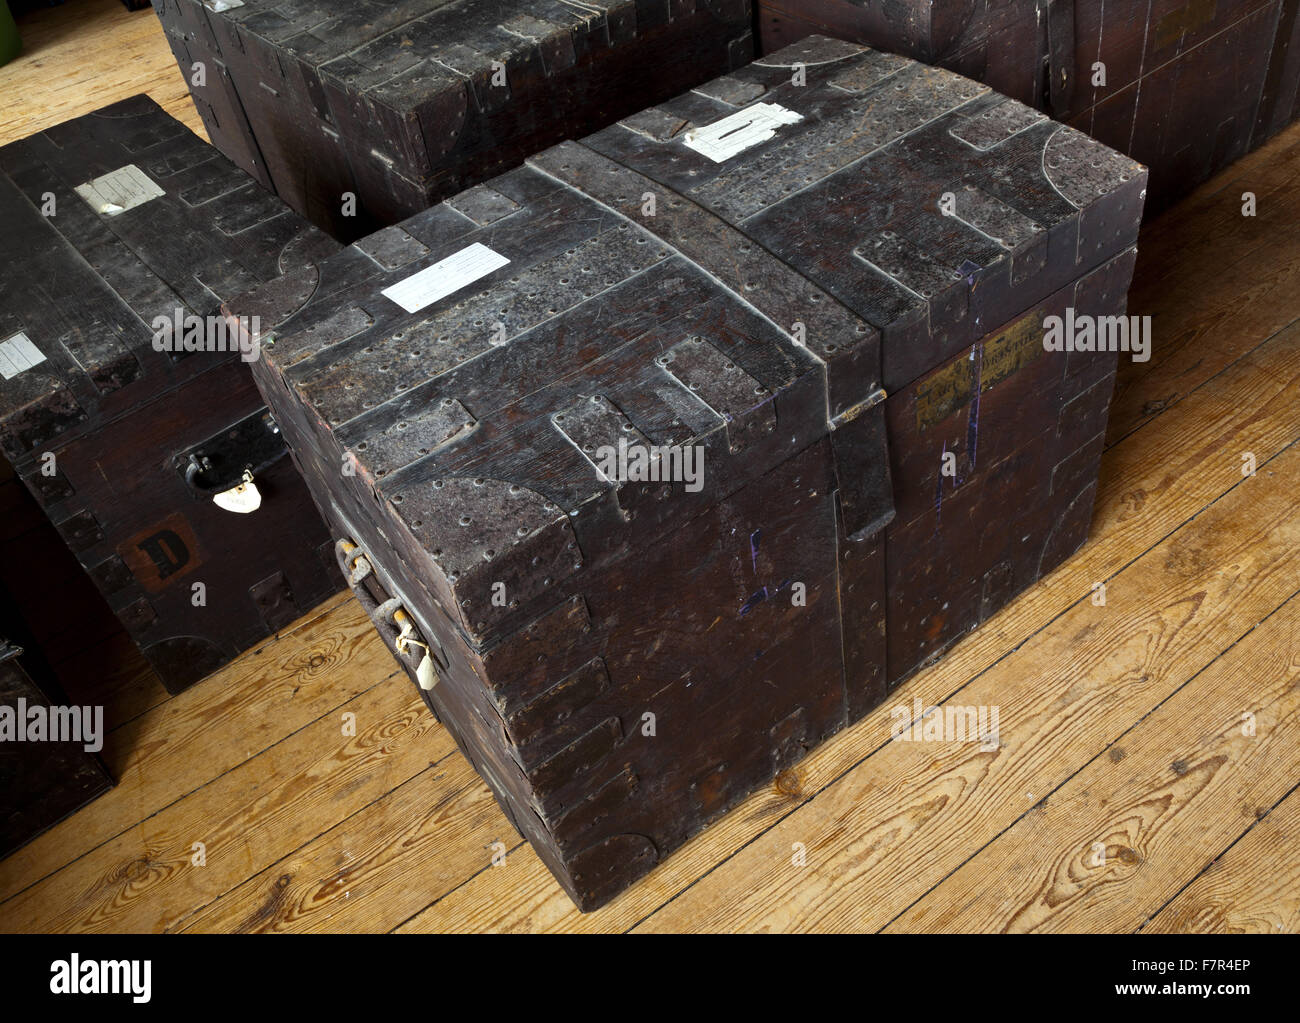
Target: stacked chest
{"type": "Point", "coordinates": [123, 406]}
{"type": "Point", "coordinates": [398, 105]}
{"type": "Point", "coordinates": [822, 282]}
{"type": "Point", "coordinates": [1184, 87]}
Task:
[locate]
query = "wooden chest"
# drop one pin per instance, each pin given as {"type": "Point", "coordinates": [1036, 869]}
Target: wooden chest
{"type": "Point", "coordinates": [1184, 86]}
{"type": "Point", "coordinates": [48, 762]}
{"type": "Point", "coordinates": [123, 221]}
{"type": "Point", "coordinates": [401, 104]}
{"type": "Point", "coordinates": [657, 460]}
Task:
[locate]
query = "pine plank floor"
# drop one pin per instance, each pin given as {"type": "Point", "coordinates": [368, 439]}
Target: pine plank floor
{"type": "Point", "coordinates": [1147, 768]}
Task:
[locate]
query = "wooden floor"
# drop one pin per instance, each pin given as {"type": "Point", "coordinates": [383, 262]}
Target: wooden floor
{"type": "Point", "coordinates": [1161, 729]}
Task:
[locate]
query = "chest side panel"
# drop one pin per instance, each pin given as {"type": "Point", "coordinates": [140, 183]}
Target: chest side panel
{"type": "Point", "coordinates": [44, 780]}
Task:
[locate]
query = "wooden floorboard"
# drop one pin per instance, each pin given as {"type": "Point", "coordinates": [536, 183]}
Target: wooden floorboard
{"type": "Point", "coordinates": [325, 798]}
{"type": "Point", "coordinates": [1244, 286]}
{"type": "Point", "coordinates": [173, 750]}
{"type": "Point", "coordinates": [1106, 850]}
{"type": "Point", "coordinates": [1252, 888]}
{"type": "Point", "coordinates": [83, 55]}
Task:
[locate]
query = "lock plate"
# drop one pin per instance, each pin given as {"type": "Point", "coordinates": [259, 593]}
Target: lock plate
{"type": "Point", "coordinates": [218, 463]}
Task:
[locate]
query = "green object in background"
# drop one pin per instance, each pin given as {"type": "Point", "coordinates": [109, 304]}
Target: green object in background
{"type": "Point", "coordinates": [10, 44]}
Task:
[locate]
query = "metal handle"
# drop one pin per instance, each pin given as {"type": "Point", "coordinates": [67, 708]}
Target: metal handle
{"type": "Point", "coordinates": [395, 624]}
{"type": "Point", "coordinates": [1060, 56]}
{"type": "Point", "coordinates": [223, 461]}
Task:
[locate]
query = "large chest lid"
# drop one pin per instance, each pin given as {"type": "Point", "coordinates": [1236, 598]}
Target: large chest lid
{"type": "Point", "coordinates": [933, 207]}
{"type": "Point", "coordinates": [114, 222]}
{"type": "Point", "coordinates": [399, 53]}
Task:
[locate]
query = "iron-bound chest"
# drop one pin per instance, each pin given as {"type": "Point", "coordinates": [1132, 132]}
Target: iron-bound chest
{"type": "Point", "coordinates": [1184, 86]}
{"type": "Point", "coordinates": [361, 114]}
{"type": "Point", "coordinates": [126, 408]}
{"type": "Point", "coordinates": [658, 460]}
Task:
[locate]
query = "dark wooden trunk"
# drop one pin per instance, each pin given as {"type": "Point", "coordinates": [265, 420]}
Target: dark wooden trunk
{"type": "Point", "coordinates": [67, 615]}
{"type": "Point", "coordinates": [1190, 85]}
{"type": "Point", "coordinates": [101, 426]}
{"type": "Point", "coordinates": [42, 780]}
{"type": "Point", "coordinates": [404, 103]}
{"type": "Point", "coordinates": [760, 305]}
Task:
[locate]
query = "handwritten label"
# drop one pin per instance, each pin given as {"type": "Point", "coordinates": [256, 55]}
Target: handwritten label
{"type": "Point", "coordinates": [117, 191]}
{"type": "Point", "coordinates": [445, 277]}
{"type": "Point", "coordinates": [722, 140]}
{"type": "Point", "coordinates": [18, 354]}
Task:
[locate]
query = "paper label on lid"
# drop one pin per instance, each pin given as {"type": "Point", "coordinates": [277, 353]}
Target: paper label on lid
{"type": "Point", "coordinates": [120, 190]}
{"type": "Point", "coordinates": [18, 354]}
{"type": "Point", "coordinates": [445, 277]}
{"type": "Point", "coordinates": [722, 140]}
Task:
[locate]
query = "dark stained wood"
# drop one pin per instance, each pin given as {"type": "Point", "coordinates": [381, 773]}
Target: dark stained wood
{"type": "Point", "coordinates": [43, 780]}
{"type": "Point", "coordinates": [98, 428]}
{"type": "Point", "coordinates": [401, 104]}
{"type": "Point", "coordinates": [66, 616]}
{"type": "Point", "coordinates": [955, 552]}
{"type": "Point", "coordinates": [1021, 502]}
{"type": "Point", "coordinates": [752, 307]}
{"type": "Point", "coordinates": [1190, 85]}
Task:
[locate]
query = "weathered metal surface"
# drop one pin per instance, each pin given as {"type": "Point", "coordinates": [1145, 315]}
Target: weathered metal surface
{"type": "Point", "coordinates": [1184, 86]}
{"type": "Point", "coordinates": [101, 424]}
{"type": "Point", "coordinates": [403, 104]}
{"type": "Point", "coordinates": [452, 414]}
{"type": "Point", "coordinates": [868, 223]}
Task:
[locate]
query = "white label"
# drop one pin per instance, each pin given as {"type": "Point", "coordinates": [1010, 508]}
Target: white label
{"type": "Point", "coordinates": [18, 354]}
{"type": "Point", "coordinates": [425, 674]}
{"type": "Point", "coordinates": [120, 190]}
{"type": "Point", "coordinates": [722, 140]}
{"type": "Point", "coordinates": [242, 499]}
{"type": "Point", "coordinates": [222, 5]}
{"type": "Point", "coordinates": [445, 277]}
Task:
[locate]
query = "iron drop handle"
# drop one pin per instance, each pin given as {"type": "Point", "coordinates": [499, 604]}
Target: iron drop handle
{"type": "Point", "coordinates": [393, 621]}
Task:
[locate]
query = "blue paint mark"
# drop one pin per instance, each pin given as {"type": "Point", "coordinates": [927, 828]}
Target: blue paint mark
{"type": "Point", "coordinates": [938, 490]}
{"type": "Point", "coordinates": [754, 538]}
{"type": "Point", "coordinates": [759, 596]}
{"type": "Point", "coordinates": [973, 426]}
{"type": "Point", "coordinates": [968, 270]}
{"type": "Point", "coordinates": [763, 594]}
